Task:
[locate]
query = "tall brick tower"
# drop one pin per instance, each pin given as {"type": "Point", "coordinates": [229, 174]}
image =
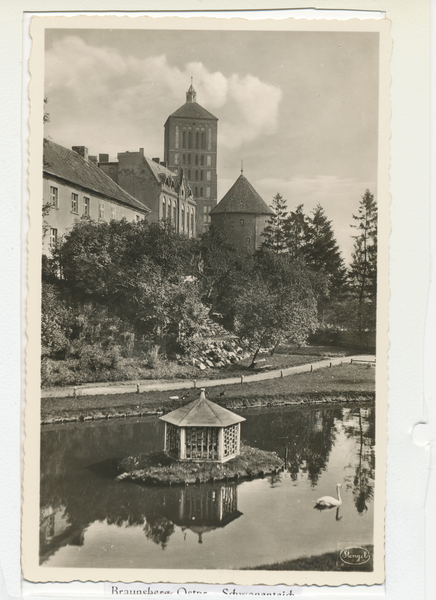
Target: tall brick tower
{"type": "Point", "coordinates": [191, 143]}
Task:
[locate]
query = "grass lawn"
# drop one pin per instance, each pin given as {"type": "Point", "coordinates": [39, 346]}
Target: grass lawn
{"type": "Point", "coordinates": [339, 383]}
{"type": "Point", "coordinates": [329, 561]}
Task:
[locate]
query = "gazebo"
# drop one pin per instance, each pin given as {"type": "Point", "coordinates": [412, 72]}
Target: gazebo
{"type": "Point", "coordinates": [202, 431]}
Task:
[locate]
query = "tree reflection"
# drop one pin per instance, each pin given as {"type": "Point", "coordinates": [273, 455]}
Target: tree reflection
{"type": "Point", "coordinates": [303, 436]}
{"type": "Point", "coordinates": [360, 424]}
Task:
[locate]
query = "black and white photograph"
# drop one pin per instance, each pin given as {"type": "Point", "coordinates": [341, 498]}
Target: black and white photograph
{"type": "Point", "coordinates": [209, 251]}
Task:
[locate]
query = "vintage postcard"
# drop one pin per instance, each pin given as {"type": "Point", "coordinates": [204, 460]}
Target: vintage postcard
{"type": "Point", "coordinates": [208, 301]}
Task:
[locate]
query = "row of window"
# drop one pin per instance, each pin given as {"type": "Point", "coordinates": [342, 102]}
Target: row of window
{"type": "Point", "coordinates": [187, 217]}
{"type": "Point", "coordinates": [191, 159]}
{"type": "Point", "coordinates": [86, 205]}
{"type": "Point", "coordinates": [194, 139]}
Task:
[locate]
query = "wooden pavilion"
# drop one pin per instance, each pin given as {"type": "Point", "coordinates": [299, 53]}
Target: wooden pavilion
{"type": "Point", "coordinates": [202, 431]}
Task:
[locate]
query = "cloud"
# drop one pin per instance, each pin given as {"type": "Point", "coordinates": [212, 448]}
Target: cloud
{"type": "Point", "coordinates": [114, 100]}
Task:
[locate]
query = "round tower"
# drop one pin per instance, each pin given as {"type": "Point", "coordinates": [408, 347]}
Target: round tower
{"type": "Point", "coordinates": [242, 215]}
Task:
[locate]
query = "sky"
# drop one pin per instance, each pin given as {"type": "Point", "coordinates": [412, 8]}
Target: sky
{"type": "Point", "coordinates": [299, 108]}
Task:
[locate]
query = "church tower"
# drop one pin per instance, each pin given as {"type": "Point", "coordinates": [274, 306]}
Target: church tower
{"type": "Point", "coordinates": [191, 143]}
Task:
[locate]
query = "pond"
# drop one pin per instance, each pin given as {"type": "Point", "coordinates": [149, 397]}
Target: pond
{"type": "Point", "coordinates": [90, 520]}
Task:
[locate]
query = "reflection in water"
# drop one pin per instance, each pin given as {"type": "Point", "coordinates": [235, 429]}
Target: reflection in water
{"type": "Point", "coordinates": [78, 487]}
{"type": "Point", "coordinates": [363, 429]}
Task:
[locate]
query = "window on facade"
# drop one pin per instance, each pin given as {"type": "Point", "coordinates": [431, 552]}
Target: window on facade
{"type": "Point", "coordinates": [177, 136]}
{"type": "Point", "coordinates": [202, 160]}
{"type": "Point", "coordinates": [176, 158]}
{"type": "Point", "coordinates": [184, 138]}
{"type": "Point", "coordinates": [189, 159]}
{"type": "Point", "coordinates": [164, 208]}
{"type": "Point", "coordinates": [247, 241]}
{"type": "Point", "coordinates": [197, 140]}
{"type": "Point", "coordinates": [203, 139]}
{"type": "Point", "coordinates": [201, 175]}
{"type": "Point", "coordinates": [190, 139]}
{"type": "Point", "coordinates": [205, 209]}
{"type": "Point", "coordinates": [54, 197]}
{"type": "Point", "coordinates": [189, 174]}
{"type": "Point", "coordinates": [196, 159]}
{"type": "Point", "coordinates": [208, 192]}
{"type": "Point", "coordinates": [209, 161]}
{"type": "Point", "coordinates": [137, 218]}
{"type": "Point", "coordinates": [53, 237]}
{"type": "Point", "coordinates": [112, 213]}
{"type": "Point", "coordinates": [86, 207]}
{"type": "Point", "coordinates": [204, 218]}
{"type": "Point", "coordinates": [209, 139]}
{"type": "Point", "coordinates": [174, 214]}
{"type": "Point", "coordinates": [192, 222]}
{"type": "Point", "coordinates": [101, 210]}
{"type": "Point", "coordinates": [208, 175]}
{"type": "Point", "coordinates": [183, 218]}
{"type": "Point", "coordinates": [201, 192]}
{"type": "Point", "coordinates": [196, 175]}
{"type": "Point", "coordinates": [184, 159]}
{"type": "Point", "coordinates": [74, 203]}
{"type": "Point", "coordinates": [196, 191]}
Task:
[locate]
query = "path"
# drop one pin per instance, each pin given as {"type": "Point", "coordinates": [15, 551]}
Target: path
{"type": "Point", "coordinates": [180, 384]}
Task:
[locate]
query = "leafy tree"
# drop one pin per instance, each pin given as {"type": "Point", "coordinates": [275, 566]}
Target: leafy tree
{"type": "Point", "coordinates": [276, 302]}
{"type": "Point", "coordinates": [138, 271]}
{"type": "Point", "coordinates": [46, 117]}
{"type": "Point", "coordinates": [274, 233]}
{"type": "Point", "coordinates": [215, 264]}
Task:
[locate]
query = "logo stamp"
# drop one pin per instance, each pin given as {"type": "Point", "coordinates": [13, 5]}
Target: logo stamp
{"type": "Point", "coordinates": [354, 555]}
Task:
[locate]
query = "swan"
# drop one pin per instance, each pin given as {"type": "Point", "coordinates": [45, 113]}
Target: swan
{"type": "Point", "coordinates": [329, 501]}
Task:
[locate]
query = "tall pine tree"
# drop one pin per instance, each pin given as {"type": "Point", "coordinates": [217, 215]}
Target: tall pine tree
{"type": "Point", "coordinates": [274, 233]}
{"type": "Point", "coordinates": [363, 269]}
{"type": "Point", "coordinates": [295, 232]}
{"type": "Point", "coordinates": [321, 249]}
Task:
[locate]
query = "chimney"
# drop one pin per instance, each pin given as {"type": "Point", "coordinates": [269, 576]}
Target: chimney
{"type": "Point", "coordinates": [141, 151]}
{"type": "Point", "coordinates": [156, 160]}
{"type": "Point", "coordinates": [103, 158]}
{"type": "Point", "coordinates": [81, 151]}
{"type": "Point", "coordinates": [93, 159]}
{"type": "Point", "coordinates": [163, 163]}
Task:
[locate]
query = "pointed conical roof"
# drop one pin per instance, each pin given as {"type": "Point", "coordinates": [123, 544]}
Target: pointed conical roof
{"type": "Point", "coordinates": [242, 198]}
{"type": "Point", "coordinates": [202, 413]}
{"type": "Point", "coordinates": [191, 109]}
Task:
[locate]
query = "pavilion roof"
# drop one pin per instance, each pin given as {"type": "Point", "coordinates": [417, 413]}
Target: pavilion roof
{"type": "Point", "coordinates": [202, 413]}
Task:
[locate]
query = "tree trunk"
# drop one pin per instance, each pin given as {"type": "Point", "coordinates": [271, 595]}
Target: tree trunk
{"type": "Point", "coordinates": [254, 358]}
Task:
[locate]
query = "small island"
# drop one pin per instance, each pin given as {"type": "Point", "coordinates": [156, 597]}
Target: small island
{"type": "Point", "coordinates": [160, 468]}
{"type": "Point", "coordinates": [201, 444]}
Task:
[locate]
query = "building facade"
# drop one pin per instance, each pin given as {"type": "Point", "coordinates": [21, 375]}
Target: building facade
{"type": "Point", "coordinates": [242, 215]}
{"type": "Point", "coordinates": [190, 142]}
{"type": "Point", "coordinates": [74, 187]}
{"type": "Point", "coordinates": [167, 194]}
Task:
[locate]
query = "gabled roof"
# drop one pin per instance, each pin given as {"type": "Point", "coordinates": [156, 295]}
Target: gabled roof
{"type": "Point", "coordinates": [73, 168]}
{"type": "Point", "coordinates": [202, 413]}
{"type": "Point", "coordinates": [193, 110]}
{"type": "Point", "coordinates": [158, 169]}
{"type": "Point", "coordinates": [242, 198]}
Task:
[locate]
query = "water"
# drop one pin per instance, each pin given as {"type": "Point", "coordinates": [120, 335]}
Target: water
{"type": "Point", "coordinates": [90, 520]}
